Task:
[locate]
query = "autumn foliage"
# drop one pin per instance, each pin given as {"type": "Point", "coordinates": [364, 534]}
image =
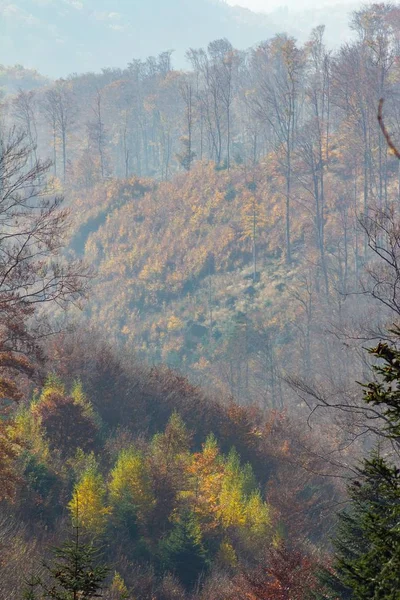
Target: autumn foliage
{"type": "Point", "coordinates": [162, 499]}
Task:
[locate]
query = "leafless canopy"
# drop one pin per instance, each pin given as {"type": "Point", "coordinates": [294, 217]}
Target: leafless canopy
{"type": "Point", "coordinates": [32, 234]}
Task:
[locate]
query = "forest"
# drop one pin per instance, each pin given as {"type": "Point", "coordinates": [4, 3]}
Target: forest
{"type": "Point", "coordinates": [200, 324]}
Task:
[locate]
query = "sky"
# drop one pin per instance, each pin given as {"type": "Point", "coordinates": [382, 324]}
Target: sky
{"type": "Point", "coordinates": [58, 37]}
{"type": "Point", "coordinates": [268, 5]}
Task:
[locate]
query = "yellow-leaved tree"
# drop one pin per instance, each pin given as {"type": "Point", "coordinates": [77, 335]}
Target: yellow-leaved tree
{"type": "Point", "coordinates": [88, 504]}
{"type": "Point", "coordinates": [170, 455]}
{"type": "Point", "coordinates": [236, 483]}
{"type": "Point", "coordinates": [257, 528]}
{"type": "Point", "coordinates": [130, 486]}
{"type": "Point", "coordinates": [206, 472]}
{"type": "Point", "coordinates": [257, 515]}
{"type": "Point", "coordinates": [118, 589]}
{"type": "Point", "coordinates": [53, 385]}
{"type": "Point", "coordinates": [80, 399]}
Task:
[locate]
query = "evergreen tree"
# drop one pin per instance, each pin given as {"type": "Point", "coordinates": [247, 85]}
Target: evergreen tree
{"type": "Point", "coordinates": [385, 393]}
{"type": "Point", "coordinates": [367, 557]}
{"type": "Point", "coordinates": [182, 551]}
{"type": "Point", "coordinates": [75, 573]}
{"type": "Point", "coordinates": [367, 545]}
{"type": "Point", "coordinates": [31, 586]}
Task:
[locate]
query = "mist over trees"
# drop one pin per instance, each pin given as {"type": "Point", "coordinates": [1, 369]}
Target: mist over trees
{"type": "Point", "coordinates": [199, 323]}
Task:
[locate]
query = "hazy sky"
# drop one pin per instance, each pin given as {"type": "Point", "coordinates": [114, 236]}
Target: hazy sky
{"type": "Point", "coordinates": [267, 5]}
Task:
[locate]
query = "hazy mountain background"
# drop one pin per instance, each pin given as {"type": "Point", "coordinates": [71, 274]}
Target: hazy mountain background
{"type": "Point", "coordinates": [59, 37]}
{"type": "Point", "coordinates": [181, 341]}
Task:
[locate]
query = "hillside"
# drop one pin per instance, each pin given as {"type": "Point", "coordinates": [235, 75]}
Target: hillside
{"type": "Point", "coordinates": [199, 306]}
{"type": "Point", "coordinates": [172, 483]}
{"type": "Point", "coordinates": [223, 208]}
{"type": "Point", "coordinates": [175, 278]}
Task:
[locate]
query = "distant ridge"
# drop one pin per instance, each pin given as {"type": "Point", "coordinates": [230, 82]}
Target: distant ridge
{"type": "Point", "coordinates": [59, 37]}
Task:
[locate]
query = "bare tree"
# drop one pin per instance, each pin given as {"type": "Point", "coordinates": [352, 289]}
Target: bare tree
{"type": "Point", "coordinates": [50, 115]}
{"type": "Point", "coordinates": [223, 57]}
{"type": "Point", "coordinates": [97, 132]}
{"type": "Point", "coordinates": [280, 66]}
{"type": "Point", "coordinates": [313, 143]}
{"type": "Point", "coordinates": [206, 67]}
{"type": "Point", "coordinates": [60, 113]}
{"type": "Point", "coordinates": [24, 114]}
{"type": "Point", "coordinates": [186, 157]}
{"type": "Point", "coordinates": [33, 226]}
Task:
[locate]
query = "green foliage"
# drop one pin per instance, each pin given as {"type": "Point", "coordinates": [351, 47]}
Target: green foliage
{"type": "Point", "coordinates": [28, 428]}
{"type": "Point", "coordinates": [81, 463]}
{"type": "Point", "coordinates": [206, 507]}
{"type": "Point", "coordinates": [241, 476]}
{"type": "Point", "coordinates": [130, 487]}
{"type": "Point", "coordinates": [226, 556]}
{"type": "Point", "coordinates": [182, 551]}
{"type": "Point", "coordinates": [257, 517]}
{"type": "Point", "coordinates": [385, 393]}
{"type": "Point", "coordinates": [80, 399]}
{"type": "Point", "coordinates": [38, 476]}
{"type": "Point", "coordinates": [367, 557]}
{"type": "Point", "coordinates": [367, 544]}
{"type": "Point", "coordinates": [30, 589]}
{"type": "Point", "coordinates": [75, 572]}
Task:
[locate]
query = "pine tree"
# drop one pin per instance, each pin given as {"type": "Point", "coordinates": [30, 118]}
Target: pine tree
{"type": "Point", "coordinates": [385, 393]}
{"type": "Point", "coordinates": [75, 573]}
{"type": "Point", "coordinates": [182, 551]}
{"type": "Point", "coordinates": [31, 586]}
{"type": "Point", "coordinates": [367, 557]}
{"type": "Point", "coordinates": [367, 545]}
